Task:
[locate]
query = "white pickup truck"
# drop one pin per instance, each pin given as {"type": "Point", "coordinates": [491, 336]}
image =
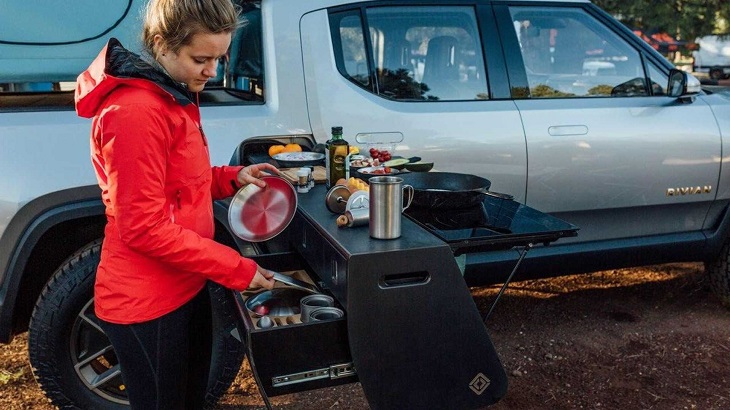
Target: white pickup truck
{"type": "Point", "coordinates": [712, 57]}
{"type": "Point", "coordinates": [555, 102]}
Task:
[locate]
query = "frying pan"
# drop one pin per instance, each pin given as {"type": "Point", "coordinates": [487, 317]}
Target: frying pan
{"type": "Point", "coordinates": [259, 214]}
{"type": "Point", "coordinates": [448, 190]}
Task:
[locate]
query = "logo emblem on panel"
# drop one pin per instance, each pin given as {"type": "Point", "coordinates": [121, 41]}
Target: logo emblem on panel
{"type": "Point", "coordinates": [479, 384]}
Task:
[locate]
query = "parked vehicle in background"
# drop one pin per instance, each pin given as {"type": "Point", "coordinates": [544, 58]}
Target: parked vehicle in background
{"type": "Point", "coordinates": [555, 102]}
{"type": "Point", "coordinates": [712, 57]}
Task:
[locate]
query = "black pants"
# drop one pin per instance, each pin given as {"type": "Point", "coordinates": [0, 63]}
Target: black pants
{"type": "Point", "coordinates": [165, 362]}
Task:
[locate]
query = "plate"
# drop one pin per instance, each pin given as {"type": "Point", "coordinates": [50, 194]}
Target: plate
{"type": "Point", "coordinates": [367, 172]}
{"type": "Point", "coordinates": [298, 159]}
{"type": "Point", "coordinates": [259, 214]}
{"type": "Point", "coordinates": [295, 283]}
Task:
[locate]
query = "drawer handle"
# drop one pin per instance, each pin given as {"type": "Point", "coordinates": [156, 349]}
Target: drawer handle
{"type": "Point", "coordinates": [397, 280]}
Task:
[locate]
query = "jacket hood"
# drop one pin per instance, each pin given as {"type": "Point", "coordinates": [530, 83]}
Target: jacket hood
{"type": "Point", "coordinates": [116, 66]}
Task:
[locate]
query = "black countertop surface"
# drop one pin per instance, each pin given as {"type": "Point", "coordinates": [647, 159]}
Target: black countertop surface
{"type": "Point", "coordinates": [356, 240]}
{"type": "Point", "coordinates": [497, 224]}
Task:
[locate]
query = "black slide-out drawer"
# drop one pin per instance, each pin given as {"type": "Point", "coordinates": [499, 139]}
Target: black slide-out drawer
{"type": "Point", "coordinates": [293, 356]}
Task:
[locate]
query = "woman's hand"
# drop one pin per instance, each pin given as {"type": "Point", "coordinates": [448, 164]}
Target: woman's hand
{"type": "Point", "coordinates": [252, 174]}
{"type": "Point", "coordinates": [263, 278]}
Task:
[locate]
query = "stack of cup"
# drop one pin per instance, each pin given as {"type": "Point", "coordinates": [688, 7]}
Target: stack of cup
{"type": "Point", "coordinates": [310, 303]}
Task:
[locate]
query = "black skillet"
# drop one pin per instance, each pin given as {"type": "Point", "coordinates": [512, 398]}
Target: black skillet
{"type": "Point", "coordinates": [448, 190]}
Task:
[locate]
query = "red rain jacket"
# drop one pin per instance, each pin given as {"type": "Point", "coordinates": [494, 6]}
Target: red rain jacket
{"type": "Point", "coordinates": [151, 160]}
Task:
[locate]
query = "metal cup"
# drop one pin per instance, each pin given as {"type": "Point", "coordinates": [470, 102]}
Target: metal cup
{"type": "Point", "coordinates": [386, 206]}
{"type": "Point", "coordinates": [310, 303]}
{"type": "Point", "coordinates": [325, 313]}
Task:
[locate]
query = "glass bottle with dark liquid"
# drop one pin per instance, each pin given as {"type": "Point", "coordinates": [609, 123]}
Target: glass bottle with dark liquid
{"type": "Point", "coordinates": [336, 149]}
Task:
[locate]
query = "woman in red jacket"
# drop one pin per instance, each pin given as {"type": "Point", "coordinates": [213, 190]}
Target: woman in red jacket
{"type": "Point", "coordinates": [151, 159]}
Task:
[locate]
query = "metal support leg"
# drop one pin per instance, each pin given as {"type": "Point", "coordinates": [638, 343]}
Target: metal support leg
{"type": "Point", "coordinates": [523, 252]}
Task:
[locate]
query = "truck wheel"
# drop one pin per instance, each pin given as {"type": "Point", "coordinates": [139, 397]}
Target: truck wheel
{"type": "Point", "coordinates": [716, 74]}
{"type": "Point", "coordinates": [719, 274]}
{"type": "Point", "coordinates": [72, 358]}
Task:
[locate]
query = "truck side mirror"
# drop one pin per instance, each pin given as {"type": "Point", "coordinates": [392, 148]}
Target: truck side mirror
{"type": "Point", "coordinates": [682, 85]}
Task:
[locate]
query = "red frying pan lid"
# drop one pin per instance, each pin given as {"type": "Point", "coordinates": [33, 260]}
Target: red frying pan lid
{"type": "Point", "coordinates": [259, 214]}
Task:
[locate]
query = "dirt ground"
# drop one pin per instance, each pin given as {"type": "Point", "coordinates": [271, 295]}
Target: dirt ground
{"type": "Point", "coordinates": [650, 338]}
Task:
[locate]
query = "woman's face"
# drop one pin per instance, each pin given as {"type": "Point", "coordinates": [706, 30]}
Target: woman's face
{"type": "Point", "coordinates": [194, 64]}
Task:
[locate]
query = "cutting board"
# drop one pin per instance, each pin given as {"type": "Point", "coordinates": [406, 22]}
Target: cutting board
{"type": "Point", "coordinates": [290, 174]}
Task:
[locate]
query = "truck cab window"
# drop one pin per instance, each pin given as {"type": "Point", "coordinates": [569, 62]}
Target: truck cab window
{"type": "Point", "coordinates": [242, 73]}
{"type": "Point", "coordinates": [567, 53]}
{"type": "Point", "coordinates": [418, 53]}
{"type": "Point", "coordinates": [352, 51]}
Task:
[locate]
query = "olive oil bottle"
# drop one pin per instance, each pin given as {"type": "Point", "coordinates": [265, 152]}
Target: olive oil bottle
{"type": "Point", "coordinates": [336, 149]}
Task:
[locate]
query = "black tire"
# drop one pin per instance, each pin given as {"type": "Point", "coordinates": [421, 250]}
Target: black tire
{"type": "Point", "coordinates": [71, 357]}
{"type": "Point", "coordinates": [719, 274]}
{"type": "Point", "coordinates": [716, 74]}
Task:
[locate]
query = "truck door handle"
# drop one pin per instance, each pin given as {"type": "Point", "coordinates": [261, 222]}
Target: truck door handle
{"type": "Point", "coordinates": [564, 130]}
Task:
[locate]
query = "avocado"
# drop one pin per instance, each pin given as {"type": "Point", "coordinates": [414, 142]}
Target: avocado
{"type": "Point", "coordinates": [397, 163]}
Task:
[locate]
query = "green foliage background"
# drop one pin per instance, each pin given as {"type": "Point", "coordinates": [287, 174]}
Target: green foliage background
{"type": "Point", "coordinates": [683, 19]}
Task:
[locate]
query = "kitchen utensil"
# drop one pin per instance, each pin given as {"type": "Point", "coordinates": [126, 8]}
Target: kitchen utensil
{"type": "Point", "coordinates": [325, 313]}
{"type": "Point", "coordinates": [298, 159]}
{"type": "Point", "coordinates": [295, 283]}
{"type": "Point", "coordinates": [336, 199]}
{"type": "Point", "coordinates": [259, 214]}
{"type": "Point", "coordinates": [358, 199]}
{"type": "Point", "coordinates": [312, 302]}
{"type": "Point", "coordinates": [448, 190]}
{"type": "Point", "coordinates": [354, 217]}
{"type": "Point", "coordinates": [386, 206]}
{"type": "Point", "coordinates": [387, 141]}
{"type": "Point", "coordinates": [278, 302]}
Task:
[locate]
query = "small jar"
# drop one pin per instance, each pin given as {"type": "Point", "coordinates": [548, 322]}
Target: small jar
{"type": "Point", "coordinates": [303, 175]}
{"type": "Point", "coordinates": [310, 176]}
